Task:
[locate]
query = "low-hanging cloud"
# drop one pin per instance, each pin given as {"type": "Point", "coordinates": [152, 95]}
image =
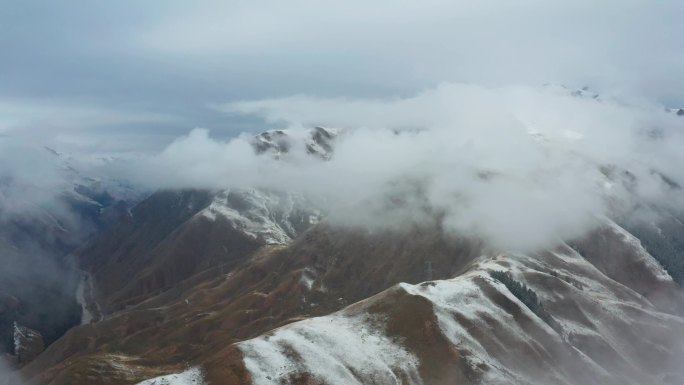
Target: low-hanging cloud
{"type": "Point", "coordinates": [8, 376]}
{"type": "Point", "coordinates": [520, 167]}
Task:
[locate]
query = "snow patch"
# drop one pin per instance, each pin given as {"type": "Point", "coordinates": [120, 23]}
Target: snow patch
{"type": "Point", "coordinates": [271, 217]}
{"type": "Point", "coordinates": [307, 281]}
{"type": "Point", "coordinates": [189, 377]}
{"type": "Point", "coordinates": [335, 349]}
{"type": "Point", "coordinates": [649, 262]}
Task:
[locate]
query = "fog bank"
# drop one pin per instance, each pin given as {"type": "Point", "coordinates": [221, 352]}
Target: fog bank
{"type": "Point", "coordinates": [521, 167]}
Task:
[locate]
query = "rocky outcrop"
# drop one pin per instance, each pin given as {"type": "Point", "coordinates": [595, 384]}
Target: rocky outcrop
{"type": "Point", "coordinates": [28, 344]}
{"type": "Point", "coordinates": [318, 141]}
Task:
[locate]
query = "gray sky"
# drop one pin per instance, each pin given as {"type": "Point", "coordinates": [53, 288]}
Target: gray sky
{"type": "Point", "coordinates": [95, 77]}
{"type": "Point", "coordinates": [132, 75]}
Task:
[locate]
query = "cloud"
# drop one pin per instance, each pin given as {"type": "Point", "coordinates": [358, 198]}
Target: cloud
{"type": "Point", "coordinates": [69, 125]}
{"type": "Point", "coordinates": [174, 58]}
{"type": "Point", "coordinates": [412, 44]}
{"type": "Point", "coordinates": [8, 376]}
{"type": "Point", "coordinates": [456, 79]}
{"type": "Point", "coordinates": [18, 115]}
{"type": "Point", "coordinates": [28, 178]}
{"type": "Point", "coordinates": [521, 167]}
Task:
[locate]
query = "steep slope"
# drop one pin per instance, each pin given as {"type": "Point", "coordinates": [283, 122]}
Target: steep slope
{"type": "Point", "coordinates": [174, 234]}
{"type": "Point", "coordinates": [663, 240]}
{"type": "Point", "coordinates": [469, 329]}
{"type": "Point", "coordinates": [474, 329]}
{"type": "Point", "coordinates": [229, 303]}
{"type": "Point", "coordinates": [128, 247]}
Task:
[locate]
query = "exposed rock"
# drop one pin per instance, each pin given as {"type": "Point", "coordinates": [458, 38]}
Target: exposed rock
{"type": "Point", "coordinates": [268, 216]}
{"type": "Point", "coordinates": [28, 344]}
{"type": "Point", "coordinates": [318, 141]}
{"type": "Point", "coordinates": [275, 142]}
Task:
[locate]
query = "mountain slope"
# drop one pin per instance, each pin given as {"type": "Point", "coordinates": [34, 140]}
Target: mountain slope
{"type": "Point", "coordinates": [466, 326]}
{"type": "Point", "coordinates": [473, 329]}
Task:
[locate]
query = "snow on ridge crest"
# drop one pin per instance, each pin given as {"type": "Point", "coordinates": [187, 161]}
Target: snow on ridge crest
{"type": "Point", "coordinates": [271, 217]}
{"type": "Point", "coordinates": [334, 349]}
{"type": "Point", "coordinates": [650, 262]}
{"type": "Point", "coordinates": [191, 376]}
{"type": "Point", "coordinates": [325, 347]}
{"type": "Point", "coordinates": [317, 141]}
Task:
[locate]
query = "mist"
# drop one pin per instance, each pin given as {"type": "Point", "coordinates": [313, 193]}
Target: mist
{"type": "Point", "coordinates": [521, 124]}
{"type": "Point", "coordinates": [48, 206]}
{"type": "Point", "coordinates": [8, 376]}
{"type": "Point", "coordinates": [520, 167]}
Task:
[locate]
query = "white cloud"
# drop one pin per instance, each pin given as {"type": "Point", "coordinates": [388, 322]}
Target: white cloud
{"type": "Point", "coordinates": [8, 376]}
{"type": "Point", "coordinates": [518, 166]}
{"type": "Point", "coordinates": [414, 43]}
{"type": "Point", "coordinates": [537, 150]}
{"type": "Point", "coordinates": [35, 114]}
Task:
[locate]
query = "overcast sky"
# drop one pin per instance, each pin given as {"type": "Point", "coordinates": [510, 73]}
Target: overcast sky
{"type": "Point", "coordinates": [131, 75]}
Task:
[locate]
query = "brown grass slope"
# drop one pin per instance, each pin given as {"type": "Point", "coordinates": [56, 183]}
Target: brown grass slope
{"type": "Point", "coordinates": [228, 294]}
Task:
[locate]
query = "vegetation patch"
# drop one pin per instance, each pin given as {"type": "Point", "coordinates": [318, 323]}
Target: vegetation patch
{"type": "Point", "coordinates": [667, 248]}
{"type": "Point", "coordinates": [526, 295]}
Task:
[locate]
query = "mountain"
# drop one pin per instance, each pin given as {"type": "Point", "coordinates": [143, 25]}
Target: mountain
{"type": "Point", "coordinates": [676, 111]}
{"type": "Point", "coordinates": [318, 141]}
{"type": "Point", "coordinates": [254, 286]}
{"type": "Point", "coordinates": [478, 327]}
{"type": "Point", "coordinates": [345, 306]}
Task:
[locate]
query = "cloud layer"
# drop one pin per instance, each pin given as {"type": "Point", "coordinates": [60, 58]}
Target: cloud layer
{"type": "Point", "coordinates": [116, 68]}
{"type": "Point", "coordinates": [518, 166]}
{"type": "Point", "coordinates": [457, 79]}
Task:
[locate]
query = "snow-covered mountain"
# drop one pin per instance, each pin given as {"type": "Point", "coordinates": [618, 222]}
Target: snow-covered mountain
{"type": "Point", "coordinates": [579, 327]}
{"type": "Point", "coordinates": [268, 216]}
{"type": "Point", "coordinates": [254, 286]}
{"type": "Point", "coordinates": [340, 306]}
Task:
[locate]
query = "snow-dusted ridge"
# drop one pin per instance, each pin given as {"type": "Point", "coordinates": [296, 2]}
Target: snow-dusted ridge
{"type": "Point", "coordinates": [191, 376]}
{"type": "Point", "coordinates": [318, 141]}
{"type": "Point", "coordinates": [336, 349]}
{"type": "Point", "coordinates": [654, 268]}
{"type": "Point", "coordinates": [493, 336]}
{"type": "Point", "coordinates": [267, 216]}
